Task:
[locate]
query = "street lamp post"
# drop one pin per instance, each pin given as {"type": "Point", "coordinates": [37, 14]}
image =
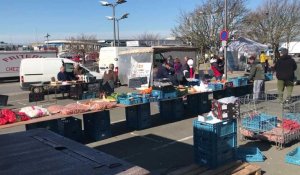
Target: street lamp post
{"type": "Point", "coordinates": [225, 50]}
{"type": "Point", "coordinates": [105, 3]}
{"type": "Point", "coordinates": [117, 20]}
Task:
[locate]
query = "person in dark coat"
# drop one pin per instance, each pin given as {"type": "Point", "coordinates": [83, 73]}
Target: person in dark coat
{"type": "Point", "coordinates": [221, 64]}
{"type": "Point", "coordinates": [64, 76]}
{"type": "Point", "coordinates": [257, 75]}
{"type": "Point", "coordinates": [285, 68]}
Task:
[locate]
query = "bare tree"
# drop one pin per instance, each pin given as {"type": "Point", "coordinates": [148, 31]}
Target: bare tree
{"type": "Point", "coordinates": [202, 26]}
{"type": "Point", "coordinates": [273, 22]}
{"type": "Point", "coordinates": [82, 44]}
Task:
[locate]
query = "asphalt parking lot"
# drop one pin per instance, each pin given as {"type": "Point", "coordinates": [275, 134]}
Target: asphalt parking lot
{"type": "Point", "coordinates": [165, 146]}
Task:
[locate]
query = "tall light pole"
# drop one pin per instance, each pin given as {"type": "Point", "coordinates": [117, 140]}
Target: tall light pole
{"type": "Point", "coordinates": [225, 50]}
{"type": "Point", "coordinates": [47, 36]}
{"type": "Point", "coordinates": [122, 17]}
{"type": "Point", "coordinates": [113, 5]}
{"type": "Point", "coordinates": [117, 20]}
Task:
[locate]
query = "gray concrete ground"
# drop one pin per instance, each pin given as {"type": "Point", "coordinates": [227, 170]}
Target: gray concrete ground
{"type": "Point", "coordinates": [165, 146]}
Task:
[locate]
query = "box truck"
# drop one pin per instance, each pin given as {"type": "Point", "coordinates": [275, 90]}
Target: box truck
{"type": "Point", "coordinates": [10, 61]}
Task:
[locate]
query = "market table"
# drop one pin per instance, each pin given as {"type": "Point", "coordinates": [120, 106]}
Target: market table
{"type": "Point", "coordinates": [41, 151]}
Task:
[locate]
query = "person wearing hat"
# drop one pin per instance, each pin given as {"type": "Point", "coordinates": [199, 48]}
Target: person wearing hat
{"type": "Point", "coordinates": [285, 68]}
{"type": "Point", "coordinates": [257, 75]}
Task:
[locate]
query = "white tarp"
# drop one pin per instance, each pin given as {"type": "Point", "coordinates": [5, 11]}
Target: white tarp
{"type": "Point", "coordinates": [241, 49]}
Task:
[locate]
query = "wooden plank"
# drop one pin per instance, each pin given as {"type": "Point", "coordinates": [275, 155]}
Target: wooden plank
{"type": "Point", "coordinates": [234, 169]}
{"type": "Point", "coordinates": [47, 118]}
{"type": "Point", "coordinates": [184, 170]}
{"type": "Point", "coordinates": [222, 169]}
{"type": "Point", "coordinates": [250, 169]}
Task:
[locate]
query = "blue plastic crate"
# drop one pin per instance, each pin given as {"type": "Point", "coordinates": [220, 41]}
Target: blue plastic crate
{"type": "Point", "coordinates": [163, 95]}
{"type": "Point", "coordinates": [220, 129]}
{"type": "Point", "coordinates": [260, 122]}
{"type": "Point", "coordinates": [239, 81]}
{"type": "Point", "coordinates": [213, 144]}
{"type": "Point", "coordinates": [129, 100]}
{"type": "Point", "coordinates": [268, 76]}
{"type": "Point", "coordinates": [249, 154]}
{"type": "Point", "coordinates": [213, 160]}
{"type": "Point", "coordinates": [215, 86]}
{"type": "Point", "coordinates": [293, 157]}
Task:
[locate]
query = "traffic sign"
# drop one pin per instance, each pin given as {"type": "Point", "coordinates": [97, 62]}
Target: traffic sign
{"type": "Point", "coordinates": [224, 35]}
{"type": "Point", "coordinates": [224, 43]}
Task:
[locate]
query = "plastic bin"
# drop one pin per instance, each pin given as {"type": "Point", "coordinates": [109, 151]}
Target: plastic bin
{"type": "Point", "coordinates": [293, 157]}
{"type": "Point", "coordinates": [219, 129]}
{"type": "Point", "coordinates": [3, 100]}
{"type": "Point", "coordinates": [214, 160]}
{"type": "Point", "coordinates": [213, 144]}
{"type": "Point", "coordinates": [97, 125]}
{"type": "Point", "coordinates": [268, 76]}
{"type": "Point", "coordinates": [249, 154]}
{"type": "Point", "coordinates": [215, 86]}
{"type": "Point", "coordinates": [139, 116]}
{"type": "Point", "coordinates": [259, 122]}
{"type": "Point", "coordinates": [88, 95]}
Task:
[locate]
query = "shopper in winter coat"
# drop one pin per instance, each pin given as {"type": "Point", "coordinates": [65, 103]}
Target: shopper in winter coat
{"type": "Point", "coordinates": [258, 76]}
{"type": "Point", "coordinates": [285, 68]}
{"type": "Point", "coordinates": [109, 80]}
{"type": "Point", "coordinates": [221, 64]}
{"type": "Point", "coordinates": [216, 69]}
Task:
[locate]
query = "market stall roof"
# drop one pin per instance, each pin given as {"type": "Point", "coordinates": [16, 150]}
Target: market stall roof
{"type": "Point", "coordinates": [246, 45]}
{"type": "Point", "coordinates": [160, 49]}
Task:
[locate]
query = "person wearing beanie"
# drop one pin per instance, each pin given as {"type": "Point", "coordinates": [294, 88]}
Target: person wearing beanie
{"type": "Point", "coordinates": [284, 69]}
{"type": "Point", "coordinates": [257, 75]}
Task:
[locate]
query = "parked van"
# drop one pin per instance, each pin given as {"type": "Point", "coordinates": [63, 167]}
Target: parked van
{"type": "Point", "coordinates": [110, 55]}
{"type": "Point", "coordinates": [36, 70]}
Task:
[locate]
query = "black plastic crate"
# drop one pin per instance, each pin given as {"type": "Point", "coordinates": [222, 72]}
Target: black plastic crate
{"type": "Point", "coordinates": [219, 94]}
{"type": "Point", "coordinates": [51, 125]}
{"type": "Point", "coordinates": [191, 107]}
{"type": "Point", "coordinates": [204, 104]}
{"type": "Point", "coordinates": [166, 109]}
{"type": "Point", "coordinates": [71, 128]}
{"type": "Point", "coordinates": [97, 125]}
{"type": "Point", "coordinates": [138, 116]}
{"type": "Point", "coordinates": [3, 100]}
{"type": "Point", "coordinates": [178, 108]}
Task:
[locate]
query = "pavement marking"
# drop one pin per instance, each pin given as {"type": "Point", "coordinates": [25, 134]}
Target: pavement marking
{"type": "Point", "coordinates": [171, 143]}
{"type": "Point", "coordinates": [118, 121]}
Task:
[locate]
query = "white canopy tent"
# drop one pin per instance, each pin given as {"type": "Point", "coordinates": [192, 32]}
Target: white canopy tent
{"type": "Point", "coordinates": [239, 50]}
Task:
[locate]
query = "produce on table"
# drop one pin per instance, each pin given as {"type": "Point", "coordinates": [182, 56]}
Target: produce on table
{"type": "Point", "coordinates": [9, 116]}
{"type": "Point", "coordinates": [54, 109]}
{"type": "Point", "coordinates": [74, 108]}
{"type": "Point", "coordinates": [146, 91]}
{"type": "Point", "coordinates": [34, 111]}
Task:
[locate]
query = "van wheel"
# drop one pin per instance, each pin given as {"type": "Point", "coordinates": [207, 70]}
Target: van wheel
{"type": "Point", "coordinates": [38, 90]}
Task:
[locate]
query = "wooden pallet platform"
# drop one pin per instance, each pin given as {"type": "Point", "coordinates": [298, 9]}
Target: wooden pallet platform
{"type": "Point", "coordinates": [233, 168]}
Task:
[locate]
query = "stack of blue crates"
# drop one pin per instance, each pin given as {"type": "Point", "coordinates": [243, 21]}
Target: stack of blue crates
{"type": "Point", "coordinates": [138, 116]}
{"type": "Point", "coordinates": [97, 125]}
{"type": "Point", "coordinates": [164, 95]}
{"type": "Point", "coordinates": [259, 122]}
{"type": "Point", "coordinates": [88, 95]}
{"type": "Point", "coordinates": [214, 144]}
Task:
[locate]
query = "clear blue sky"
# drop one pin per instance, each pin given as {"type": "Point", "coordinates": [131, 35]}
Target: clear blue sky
{"type": "Point", "coordinates": [24, 21]}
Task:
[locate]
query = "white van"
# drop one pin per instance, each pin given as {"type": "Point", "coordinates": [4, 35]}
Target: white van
{"type": "Point", "coordinates": [110, 55]}
{"type": "Point", "coordinates": [36, 70]}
